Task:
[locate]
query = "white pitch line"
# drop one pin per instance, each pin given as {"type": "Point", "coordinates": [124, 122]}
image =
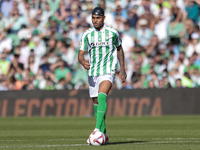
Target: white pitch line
{"type": "Point", "coordinates": [175, 138]}
{"type": "Point", "coordinates": [164, 139]}
{"type": "Point", "coordinates": [162, 142]}
{"type": "Point", "coordinates": [45, 145]}
{"type": "Point", "coordinates": [44, 140]}
{"type": "Point", "coordinates": [156, 142]}
{"type": "Point", "coordinates": [111, 139]}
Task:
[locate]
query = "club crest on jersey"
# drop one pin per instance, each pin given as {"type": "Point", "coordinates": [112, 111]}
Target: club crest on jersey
{"type": "Point", "coordinates": [93, 44]}
{"type": "Point", "coordinates": [107, 37]}
{"type": "Point", "coordinates": [99, 39]}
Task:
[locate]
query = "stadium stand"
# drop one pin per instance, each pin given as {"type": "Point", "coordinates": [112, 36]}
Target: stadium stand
{"type": "Point", "coordinates": [39, 41]}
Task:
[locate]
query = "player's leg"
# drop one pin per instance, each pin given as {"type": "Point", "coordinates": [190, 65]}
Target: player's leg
{"type": "Point", "coordinates": [104, 89]}
{"type": "Point", "coordinates": [95, 103]}
{"type": "Point", "coordinates": [93, 91]}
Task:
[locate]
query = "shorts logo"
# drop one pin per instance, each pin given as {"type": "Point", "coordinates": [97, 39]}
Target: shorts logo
{"type": "Point", "coordinates": [80, 43]}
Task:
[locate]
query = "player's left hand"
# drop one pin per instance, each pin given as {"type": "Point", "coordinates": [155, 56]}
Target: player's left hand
{"type": "Point", "coordinates": [122, 76]}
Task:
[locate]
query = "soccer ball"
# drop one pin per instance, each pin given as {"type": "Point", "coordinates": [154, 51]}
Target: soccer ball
{"type": "Point", "coordinates": [97, 138]}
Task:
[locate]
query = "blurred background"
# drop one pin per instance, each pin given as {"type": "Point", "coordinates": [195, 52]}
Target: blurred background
{"type": "Point", "coordinates": [39, 42]}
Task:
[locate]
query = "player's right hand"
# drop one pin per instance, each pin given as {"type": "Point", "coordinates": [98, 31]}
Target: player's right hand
{"type": "Point", "coordinates": [86, 65]}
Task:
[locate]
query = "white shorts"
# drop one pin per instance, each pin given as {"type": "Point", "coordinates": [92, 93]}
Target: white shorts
{"type": "Point", "coordinates": [94, 83]}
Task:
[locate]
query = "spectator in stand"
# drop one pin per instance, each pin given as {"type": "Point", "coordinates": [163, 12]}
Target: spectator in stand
{"type": "Point", "coordinates": [46, 14]}
{"type": "Point", "coordinates": [128, 45]}
{"type": "Point", "coordinates": [151, 20]}
{"type": "Point", "coordinates": [45, 65]}
{"type": "Point", "coordinates": [192, 10]}
{"type": "Point", "coordinates": [3, 85]}
{"type": "Point", "coordinates": [4, 64]}
{"type": "Point", "coordinates": [133, 17]}
{"type": "Point", "coordinates": [171, 62]}
{"type": "Point", "coordinates": [120, 12]}
{"type": "Point", "coordinates": [160, 66]}
{"type": "Point", "coordinates": [183, 57]}
{"type": "Point", "coordinates": [5, 42]}
{"type": "Point", "coordinates": [129, 30]}
{"type": "Point", "coordinates": [178, 83]}
{"type": "Point", "coordinates": [118, 24]}
{"type": "Point", "coordinates": [61, 85]}
{"type": "Point", "coordinates": [176, 14]}
{"type": "Point", "coordinates": [47, 83]}
{"type": "Point", "coordinates": [68, 55]}
{"type": "Point", "coordinates": [154, 78]}
{"type": "Point", "coordinates": [152, 48]}
{"type": "Point", "coordinates": [179, 66]}
{"type": "Point", "coordinates": [6, 7]}
{"type": "Point", "coordinates": [33, 64]}
{"type": "Point", "coordinates": [162, 20]}
{"type": "Point", "coordinates": [143, 34]}
{"type": "Point", "coordinates": [80, 78]}
{"type": "Point", "coordinates": [61, 71]}
{"type": "Point", "coordinates": [62, 11]}
{"type": "Point", "coordinates": [195, 76]}
{"type": "Point", "coordinates": [2, 21]}
{"type": "Point", "coordinates": [16, 67]}
{"type": "Point", "coordinates": [15, 21]}
{"type": "Point", "coordinates": [151, 85]}
{"type": "Point", "coordinates": [137, 84]}
{"type": "Point", "coordinates": [161, 84]}
{"type": "Point", "coordinates": [54, 4]}
{"type": "Point", "coordinates": [136, 73]}
{"type": "Point", "coordinates": [194, 45]}
{"type": "Point", "coordinates": [148, 4]}
{"type": "Point", "coordinates": [175, 31]}
{"type": "Point", "coordinates": [186, 81]}
{"type": "Point", "coordinates": [189, 29]}
{"type": "Point", "coordinates": [39, 48]}
{"type": "Point", "coordinates": [24, 52]}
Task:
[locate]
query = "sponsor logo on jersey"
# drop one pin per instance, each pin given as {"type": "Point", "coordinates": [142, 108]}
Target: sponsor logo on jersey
{"type": "Point", "coordinates": [100, 44]}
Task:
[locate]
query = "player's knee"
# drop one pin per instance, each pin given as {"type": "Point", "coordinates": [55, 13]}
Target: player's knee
{"type": "Point", "coordinates": [95, 101]}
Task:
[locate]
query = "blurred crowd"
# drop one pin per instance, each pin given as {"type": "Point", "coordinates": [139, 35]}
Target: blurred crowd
{"type": "Point", "coordinates": [39, 42]}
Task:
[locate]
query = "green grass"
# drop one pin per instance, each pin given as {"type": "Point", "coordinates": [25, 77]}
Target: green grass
{"type": "Point", "coordinates": [125, 133]}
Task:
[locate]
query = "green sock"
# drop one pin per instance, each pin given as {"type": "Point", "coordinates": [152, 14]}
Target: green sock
{"type": "Point", "coordinates": [95, 111]}
{"type": "Point", "coordinates": [103, 126]}
{"type": "Point", "coordinates": [101, 111]}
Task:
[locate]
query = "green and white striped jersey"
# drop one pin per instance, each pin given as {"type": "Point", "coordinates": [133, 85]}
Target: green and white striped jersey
{"type": "Point", "coordinates": [101, 46]}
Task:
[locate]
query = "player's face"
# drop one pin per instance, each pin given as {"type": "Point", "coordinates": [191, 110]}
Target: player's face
{"type": "Point", "coordinates": [98, 21]}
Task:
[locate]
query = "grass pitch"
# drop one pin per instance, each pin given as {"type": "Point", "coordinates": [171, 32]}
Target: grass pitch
{"type": "Point", "coordinates": [125, 133]}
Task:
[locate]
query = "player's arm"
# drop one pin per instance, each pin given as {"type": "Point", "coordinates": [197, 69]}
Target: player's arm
{"type": "Point", "coordinates": [120, 56]}
{"type": "Point", "coordinates": [82, 61]}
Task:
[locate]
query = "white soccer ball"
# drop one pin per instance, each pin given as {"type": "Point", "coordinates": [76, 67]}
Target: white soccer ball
{"type": "Point", "coordinates": [97, 138]}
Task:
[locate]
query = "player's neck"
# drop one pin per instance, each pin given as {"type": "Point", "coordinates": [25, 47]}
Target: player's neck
{"type": "Point", "coordinates": [101, 27]}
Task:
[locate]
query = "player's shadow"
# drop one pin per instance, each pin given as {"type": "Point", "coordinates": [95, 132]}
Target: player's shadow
{"type": "Point", "coordinates": [126, 142]}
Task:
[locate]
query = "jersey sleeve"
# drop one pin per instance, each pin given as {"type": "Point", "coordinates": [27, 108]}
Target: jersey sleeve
{"type": "Point", "coordinates": [83, 43]}
{"type": "Point", "coordinates": [118, 40]}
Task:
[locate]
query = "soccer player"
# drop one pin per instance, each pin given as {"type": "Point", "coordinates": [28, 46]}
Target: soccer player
{"type": "Point", "coordinates": [104, 47]}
